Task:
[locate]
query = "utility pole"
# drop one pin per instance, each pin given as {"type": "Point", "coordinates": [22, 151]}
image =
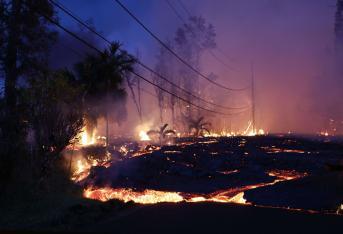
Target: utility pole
{"type": "Point", "coordinates": [339, 35]}
{"type": "Point", "coordinates": [339, 25]}
{"type": "Point", "coordinates": [338, 69]}
{"type": "Point", "coordinates": [107, 106]}
{"type": "Point", "coordinates": [253, 97]}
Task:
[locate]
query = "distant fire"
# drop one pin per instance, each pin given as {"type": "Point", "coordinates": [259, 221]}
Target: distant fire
{"type": "Point", "coordinates": [247, 132]}
{"type": "Point", "coordinates": [324, 133]}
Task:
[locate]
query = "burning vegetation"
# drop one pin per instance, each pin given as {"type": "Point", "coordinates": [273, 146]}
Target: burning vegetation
{"type": "Point", "coordinates": [117, 129]}
{"type": "Point", "coordinates": [169, 164]}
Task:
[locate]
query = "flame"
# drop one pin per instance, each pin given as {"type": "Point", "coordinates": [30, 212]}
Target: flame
{"type": "Point", "coordinates": [85, 138]}
{"type": "Point", "coordinates": [143, 136]}
{"type": "Point", "coordinates": [249, 131]}
{"type": "Point", "coordinates": [81, 170]}
{"type": "Point", "coordinates": [124, 149]}
{"type": "Point", "coordinates": [246, 132]}
{"type": "Point", "coordinates": [324, 133]}
{"type": "Point", "coordinates": [82, 167]}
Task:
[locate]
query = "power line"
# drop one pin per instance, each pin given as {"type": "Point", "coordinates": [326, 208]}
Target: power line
{"type": "Point", "coordinates": [185, 8]}
{"type": "Point", "coordinates": [141, 77]}
{"type": "Point", "coordinates": [182, 99]}
{"type": "Point", "coordinates": [148, 92]}
{"type": "Point", "coordinates": [171, 6]}
{"type": "Point", "coordinates": [80, 21]}
{"type": "Point", "coordinates": [190, 15]}
{"type": "Point", "coordinates": [174, 53]}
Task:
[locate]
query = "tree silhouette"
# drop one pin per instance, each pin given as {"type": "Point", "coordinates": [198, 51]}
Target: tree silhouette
{"type": "Point", "coordinates": [56, 116]}
{"type": "Point", "coordinates": [102, 76]}
{"type": "Point", "coordinates": [162, 133]}
{"type": "Point", "coordinates": [198, 126]}
{"type": "Point", "coordinates": [25, 40]}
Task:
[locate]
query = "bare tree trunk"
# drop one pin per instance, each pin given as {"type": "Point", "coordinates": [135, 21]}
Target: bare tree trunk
{"type": "Point", "coordinates": [139, 98]}
{"type": "Point", "coordinates": [135, 99]}
{"type": "Point", "coordinates": [173, 115]}
{"type": "Point", "coordinates": [161, 112]}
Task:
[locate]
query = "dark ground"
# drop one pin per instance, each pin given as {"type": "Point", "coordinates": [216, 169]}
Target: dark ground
{"type": "Point", "coordinates": [197, 169]}
{"type": "Point", "coordinates": [218, 218]}
{"type": "Point", "coordinates": [165, 169]}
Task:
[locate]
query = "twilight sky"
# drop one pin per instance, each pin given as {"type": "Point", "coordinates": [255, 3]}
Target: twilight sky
{"type": "Point", "coordinates": [290, 42]}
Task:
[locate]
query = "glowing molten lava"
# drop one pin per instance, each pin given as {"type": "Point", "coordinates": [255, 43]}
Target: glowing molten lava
{"type": "Point", "coordinates": [153, 196]}
{"type": "Point", "coordinates": [232, 195]}
{"type": "Point", "coordinates": [126, 195]}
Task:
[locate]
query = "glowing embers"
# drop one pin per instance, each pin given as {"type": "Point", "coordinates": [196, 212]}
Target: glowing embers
{"type": "Point", "coordinates": [274, 150]}
{"type": "Point", "coordinates": [208, 142]}
{"type": "Point", "coordinates": [340, 209]}
{"type": "Point", "coordinates": [227, 172]}
{"type": "Point", "coordinates": [172, 152]}
{"type": "Point", "coordinates": [282, 175]}
{"type": "Point", "coordinates": [246, 132]}
{"type": "Point", "coordinates": [147, 150]}
{"type": "Point", "coordinates": [81, 168]}
{"type": "Point", "coordinates": [124, 150]}
{"type": "Point", "coordinates": [324, 133]}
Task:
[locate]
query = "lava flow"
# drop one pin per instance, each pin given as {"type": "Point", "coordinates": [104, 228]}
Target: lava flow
{"type": "Point", "coordinates": [147, 196]}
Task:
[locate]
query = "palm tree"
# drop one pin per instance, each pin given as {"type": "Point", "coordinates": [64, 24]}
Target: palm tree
{"type": "Point", "coordinates": [102, 76]}
{"type": "Point", "coordinates": [198, 126]}
{"type": "Point", "coordinates": [162, 133]}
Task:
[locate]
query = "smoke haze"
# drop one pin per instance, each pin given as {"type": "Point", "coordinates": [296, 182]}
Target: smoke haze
{"type": "Point", "coordinates": [290, 43]}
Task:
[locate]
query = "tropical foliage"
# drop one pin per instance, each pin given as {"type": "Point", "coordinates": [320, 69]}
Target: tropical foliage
{"type": "Point", "coordinates": [162, 133]}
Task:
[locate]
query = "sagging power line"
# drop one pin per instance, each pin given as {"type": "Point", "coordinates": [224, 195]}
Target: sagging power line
{"type": "Point", "coordinates": [183, 6]}
{"type": "Point", "coordinates": [174, 53]}
{"type": "Point", "coordinates": [134, 73]}
{"type": "Point", "coordinates": [179, 16]}
{"type": "Point", "coordinates": [80, 21]}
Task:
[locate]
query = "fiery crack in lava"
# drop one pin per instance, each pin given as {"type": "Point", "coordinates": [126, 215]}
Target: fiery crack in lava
{"type": "Point", "coordinates": [275, 150]}
{"type": "Point", "coordinates": [147, 196]}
